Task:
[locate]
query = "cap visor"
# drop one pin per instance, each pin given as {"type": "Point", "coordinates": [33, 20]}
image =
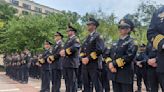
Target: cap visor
{"type": "Point", "coordinates": [90, 22]}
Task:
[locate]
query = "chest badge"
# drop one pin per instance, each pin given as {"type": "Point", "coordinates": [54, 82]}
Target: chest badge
{"type": "Point", "coordinates": [91, 39]}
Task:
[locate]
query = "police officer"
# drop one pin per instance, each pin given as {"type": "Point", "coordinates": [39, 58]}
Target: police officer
{"type": "Point", "coordinates": [34, 70]}
{"type": "Point", "coordinates": [7, 61]}
{"type": "Point", "coordinates": [141, 68]}
{"type": "Point", "coordinates": [152, 76]}
{"type": "Point", "coordinates": [18, 67]}
{"type": "Point", "coordinates": [12, 69]}
{"type": "Point", "coordinates": [79, 77]}
{"type": "Point", "coordinates": [21, 68]}
{"type": "Point", "coordinates": [70, 53]}
{"type": "Point", "coordinates": [24, 67]}
{"type": "Point", "coordinates": [56, 62]}
{"type": "Point", "coordinates": [37, 67]}
{"type": "Point", "coordinates": [91, 57]}
{"type": "Point", "coordinates": [122, 54]}
{"type": "Point", "coordinates": [45, 68]}
{"type": "Point", "coordinates": [105, 71]}
{"type": "Point", "coordinates": [27, 57]}
{"type": "Point", "coordinates": [155, 35]}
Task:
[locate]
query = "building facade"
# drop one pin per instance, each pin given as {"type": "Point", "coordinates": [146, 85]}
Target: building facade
{"type": "Point", "coordinates": [26, 7]}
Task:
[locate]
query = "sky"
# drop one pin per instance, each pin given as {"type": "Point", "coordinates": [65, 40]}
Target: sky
{"type": "Point", "coordinates": [119, 7]}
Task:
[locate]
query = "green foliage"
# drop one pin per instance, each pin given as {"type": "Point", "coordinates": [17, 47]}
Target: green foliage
{"type": "Point", "coordinates": [140, 35]}
{"type": "Point", "coordinates": [6, 12]}
{"type": "Point", "coordinates": [31, 31]}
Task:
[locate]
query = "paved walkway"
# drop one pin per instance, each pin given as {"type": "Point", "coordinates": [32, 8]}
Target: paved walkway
{"type": "Point", "coordinates": [8, 85]}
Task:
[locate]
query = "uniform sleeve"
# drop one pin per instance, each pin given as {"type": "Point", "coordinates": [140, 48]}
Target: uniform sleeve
{"type": "Point", "coordinates": [106, 55]}
{"type": "Point", "coordinates": [45, 54]}
{"type": "Point", "coordinates": [128, 57]}
{"type": "Point", "coordinates": [98, 50]}
{"type": "Point", "coordinates": [145, 58]}
{"type": "Point", "coordinates": [150, 52]}
{"type": "Point", "coordinates": [74, 48]}
{"type": "Point", "coordinates": [153, 34]}
{"type": "Point", "coordinates": [147, 51]}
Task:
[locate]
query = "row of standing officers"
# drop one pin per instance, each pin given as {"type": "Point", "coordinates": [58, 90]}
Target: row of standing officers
{"type": "Point", "coordinates": [97, 64]}
{"type": "Point", "coordinates": [17, 66]}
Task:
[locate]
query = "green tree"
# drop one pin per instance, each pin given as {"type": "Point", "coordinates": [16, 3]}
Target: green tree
{"type": "Point", "coordinates": [31, 31]}
{"type": "Point", "coordinates": [6, 14]}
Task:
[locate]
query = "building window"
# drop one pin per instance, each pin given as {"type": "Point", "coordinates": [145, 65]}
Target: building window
{"type": "Point", "coordinates": [15, 2]}
{"type": "Point", "coordinates": [38, 9]}
{"type": "Point", "coordinates": [47, 12]}
{"type": "Point", "coordinates": [26, 6]}
{"type": "Point", "coordinates": [25, 12]}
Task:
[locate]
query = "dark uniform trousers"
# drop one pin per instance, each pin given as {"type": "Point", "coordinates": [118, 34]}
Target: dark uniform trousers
{"type": "Point", "coordinates": [56, 67]}
{"type": "Point", "coordinates": [91, 77]}
{"type": "Point", "coordinates": [161, 80]}
{"type": "Point", "coordinates": [152, 76]}
{"type": "Point", "coordinates": [122, 79]}
{"type": "Point", "coordinates": [105, 78]}
{"type": "Point", "coordinates": [71, 63]}
{"type": "Point", "coordinates": [153, 79]}
{"type": "Point", "coordinates": [45, 73]}
{"type": "Point", "coordinates": [141, 72]}
{"type": "Point", "coordinates": [105, 70]}
{"type": "Point", "coordinates": [119, 87]}
{"type": "Point", "coordinates": [70, 79]}
{"type": "Point", "coordinates": [24, 73]}
{"type": "Point", "coordinates": [45, 77]}
{"type": "Point", "coordinates": [25, 69]}
{"type": "Point", "coordinates": [18, 73]}
{"type": "Point", "coordinates": [160, 69]}
{"type": "Point", "coordinates": [91, 72]}
{"type": "Point", "coordinates": [56, 80]}
{"type": "Point", "coordinates": [79, 76]}
{"type": "Point", "coordinates": [122, 87]}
